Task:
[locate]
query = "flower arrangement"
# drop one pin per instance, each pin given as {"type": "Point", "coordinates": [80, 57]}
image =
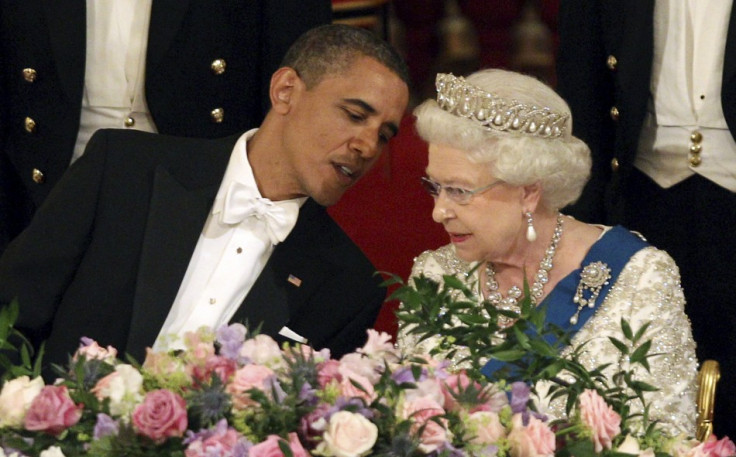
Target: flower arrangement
{"type": "Point", "coordinates": [236, 393]}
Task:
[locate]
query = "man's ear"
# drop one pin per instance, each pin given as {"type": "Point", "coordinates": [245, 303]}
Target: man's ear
{"type": "Point", "coordinates": [284, 82]}
{"type": "Point", "coordinates": [530, 196]}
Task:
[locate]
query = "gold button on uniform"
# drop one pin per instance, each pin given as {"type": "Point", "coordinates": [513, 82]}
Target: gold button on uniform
{"type": "Point", "coordinates": [611, 62]}
{"type": "Point", "coordinates": [614, 164]}
{"type": "Point", "coordinates": [696, 148]}
{"type": "Point", "coordinates": [218, 66]}
{"type": "Point", "coordinates": [614, 113]}
{"type": "Point", "coordinates": [217, 115]}
{"type": "Point", "coordinates": [29, 74]}
{"type": "Point", "coordinates": [30, 125]}
{"type": "Point", "coordinates": [129, 121]}
{"type": "Point", "coordinates": [37, 176]}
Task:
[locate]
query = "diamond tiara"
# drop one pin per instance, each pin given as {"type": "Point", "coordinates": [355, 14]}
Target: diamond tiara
{"type": "Point", "coordinates": [457, 96]}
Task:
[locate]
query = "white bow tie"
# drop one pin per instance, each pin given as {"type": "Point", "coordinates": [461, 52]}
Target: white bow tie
{"type": "Point", "coordinates": [241, 202]}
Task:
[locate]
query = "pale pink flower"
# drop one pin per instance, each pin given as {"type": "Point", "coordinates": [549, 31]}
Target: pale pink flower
{"type": "Point", "coordinates": [600, 418]}
{"type": "Point", "coordinates": [52, 411]}
{"type": "Point", "coordinates": [348, 435]}
{"type": "Point", "coordinates": [262, 350]}
{"type": "Point", "coordinates": [162, 415]}
{"type": "Point", "coordinates": [379, 347]}
{"type": "Point", "coordinates": [364, 367]}
{"type": "Point", "coordinates": [248, 377]}
{"type": "Point", "coordinates": [348, 388]}
{"type": "Point", "coordinates": [534, 440]}
{"type": "Point", "coordinates": [15, 399]}
{"type": "Point", "coordinates": [270, 447]}
{"type": "Point", "coordinates": [220, 443]}
{"type": "Point", "coordinates": [91, 351]}
{"type": "Point", "coordinates": [421, 409]}
{"type": "Point", "coordinates": [433, 436]}
{"type": "Point", "coordinates": [485, 428]}
{"type": "Point", "coordinates": [430, 387]}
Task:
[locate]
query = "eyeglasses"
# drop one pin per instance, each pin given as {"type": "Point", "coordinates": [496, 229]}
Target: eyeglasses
{"type": "Point", "coordinates": [456, 194]}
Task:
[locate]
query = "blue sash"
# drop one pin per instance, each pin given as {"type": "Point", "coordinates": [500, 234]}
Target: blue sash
{"type": "Point", "coordinates": [615, 248]}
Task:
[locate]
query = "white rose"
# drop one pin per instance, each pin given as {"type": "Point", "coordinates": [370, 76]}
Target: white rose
{"type": "Point", "coordinates": [263, 350]}
{"type": "Point", "coordinates": [53, 451]}
{"type": "Point", "coordinates": [15, 399]}
{"type": "Point", "coordinates": [348, 435]}
{"type": "Point", "coordinates": [122, 387]}
{"type": "Point", "coordinates": [485, 427]}
{"type": "Point", "coordinates": [630, 445]}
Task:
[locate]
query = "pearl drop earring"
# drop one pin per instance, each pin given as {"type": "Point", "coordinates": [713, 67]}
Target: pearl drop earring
{"type": "Point", "coordinates": [531, 234]}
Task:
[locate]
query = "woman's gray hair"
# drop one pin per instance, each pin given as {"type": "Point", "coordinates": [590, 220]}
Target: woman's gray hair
{"type": "Point", "coordinates": [561, 165]}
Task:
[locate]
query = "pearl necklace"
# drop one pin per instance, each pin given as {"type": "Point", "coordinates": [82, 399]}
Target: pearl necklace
{"type": "Point", "coordinates": [511, 301]}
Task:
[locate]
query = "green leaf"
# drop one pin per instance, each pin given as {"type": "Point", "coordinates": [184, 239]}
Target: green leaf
{"type": "Point", "coordinates": [639, 355]}
{"type": "Point", "coordinates": [509, 356]}
{"type": "Point", "coordinates": [623, 348]}
{"type": "Point", "coordinates": [626, 328]}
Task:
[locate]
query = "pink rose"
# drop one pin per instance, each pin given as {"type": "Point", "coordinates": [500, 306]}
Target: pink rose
{"type": "Point", "coordinates": [348, 435]}
{"type": "Point", "coordinates": [248, 377]}
{"type": "Point", "coordinates": [52, 411]}
{"type": "Point", "coordinates": [485, 428]}
{"type": "Point", "coordinates": [713, 447]}
{"type": "Point", "coordinates": [270, 447]}
{"type": "Point", "coordinates": [534, 440]}
{"type": "Point", "coordinates": [223, 367]}
{"type": "Point", "coordinates": [162, 414]}
{"type": "Point", "coordinates": [327, 371]}
{"type": "Point", "coordinates": [421, 411]}
{"type": "Point", "coordinates": [600, 418]}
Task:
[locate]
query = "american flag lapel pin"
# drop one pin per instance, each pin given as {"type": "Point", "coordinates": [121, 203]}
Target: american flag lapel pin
{"type": "Point", "coordinates": [294, 280]}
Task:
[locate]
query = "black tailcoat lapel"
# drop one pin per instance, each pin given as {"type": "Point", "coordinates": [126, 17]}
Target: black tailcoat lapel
{"type": "Point", "coordinates": [274, 300]}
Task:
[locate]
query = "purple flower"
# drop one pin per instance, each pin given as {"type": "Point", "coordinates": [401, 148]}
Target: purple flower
{"type": "Point", "coordinates": [449, 450]}
{"type": "Point", "coordinates": [405, 374]}
{"type": "Point", "coordinates": [105, 426]}
{"type": "Point", "coordinates": [231, 338]}
{"type": "Point", "coordinates": [273, 385]}
{"type": "Point", "coordinates": [519, 397]}
{"type": "Point", "coordinates": [352, 404]}
{"type": "Point", "coordinates": [308, 394]}
{"type": "Point", "coordinates": [219, 441]}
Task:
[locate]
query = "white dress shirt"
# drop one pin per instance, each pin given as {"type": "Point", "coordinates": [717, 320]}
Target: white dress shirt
{"type": "Point", "coordinates": [227, 260]}
{"type": "Point", "coordinates": [687, 70]}
{"type": "Point", "coordinates": [115, 65]}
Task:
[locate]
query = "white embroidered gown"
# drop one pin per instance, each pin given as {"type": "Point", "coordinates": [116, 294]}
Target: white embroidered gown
{"type": "Point", "coordinates": [647, 290]}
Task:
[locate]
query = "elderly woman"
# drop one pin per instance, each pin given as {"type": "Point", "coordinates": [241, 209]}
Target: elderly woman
{"type": "Point", "coordinates": [498, 179]}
